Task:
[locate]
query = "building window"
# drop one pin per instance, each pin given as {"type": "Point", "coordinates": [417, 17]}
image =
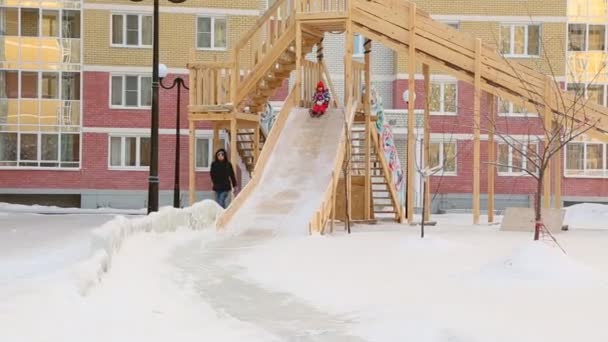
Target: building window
{"type": "Point", "coordinates": [586, 159]}
{"type": "Point", "coordinates": [358, 49]}
{"type": "Point", "coordinates": [443, 153]}
{"type": "Point", "coordinates": [520, 40]}
{"type": "Point", "coordinates": [507, 108]}
{"type": "Point", "coordinates": [590, 93]}
{"type": "Point", "coordinates": [39, 149]}
{"type": "Point", "coordinates": [129, 152]}
{"type": "Point", "coordinates": [444, 98]}
{"type": "Point", "coordinates": [211, 33]}
{"type": "Point", "coordinates": [586, 37]}
{"type": "Point", "coordinates": [513, 160]}
{"type": "Point", "coordinates": [133, 91]}
{"type": "Point", "coordinates": [205, 153]}
{"type": "Point", "coordinates": [132, 30]}
{"type": "Point", "coordinates": [39, 22]}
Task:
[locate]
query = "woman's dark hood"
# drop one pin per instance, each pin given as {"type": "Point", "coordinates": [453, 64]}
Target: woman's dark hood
{"type": "Point", "coordinates": [225, 155]}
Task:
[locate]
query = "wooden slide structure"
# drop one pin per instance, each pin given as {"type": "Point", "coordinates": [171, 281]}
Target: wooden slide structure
{"type": "Point", "coordinates": [233, 93]}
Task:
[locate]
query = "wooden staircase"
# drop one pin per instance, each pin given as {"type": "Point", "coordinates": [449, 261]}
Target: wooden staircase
{"type": "Point", "coordinates": [385, 202]}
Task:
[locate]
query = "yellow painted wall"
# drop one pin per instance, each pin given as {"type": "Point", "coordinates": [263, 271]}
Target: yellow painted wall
{"type": "Point", "coordinates": [239, 4]}
{"type": "Point", "coordinates": [553, 46]}
{"type": "Point", "coordinates": [177, 39]}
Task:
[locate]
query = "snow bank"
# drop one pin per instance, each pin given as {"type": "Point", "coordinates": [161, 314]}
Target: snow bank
{"type": "Point", "coordinates": [108, 239]}
{"type": "Point", "coordinates": [42, 209]}
{"type": "Point", "coordinates": [540, 263]}
{"type": "Point", "coordinates": [587, 216]}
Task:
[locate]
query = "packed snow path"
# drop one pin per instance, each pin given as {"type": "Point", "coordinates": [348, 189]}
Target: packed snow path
{"type": "Point", "coordinates": [280, 314]}
{"type": "Point", "coordinates": [296, 176]}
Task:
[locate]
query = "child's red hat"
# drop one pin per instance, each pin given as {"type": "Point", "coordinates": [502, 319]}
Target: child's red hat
{"type": "Point", "coordinates": [320, 85]}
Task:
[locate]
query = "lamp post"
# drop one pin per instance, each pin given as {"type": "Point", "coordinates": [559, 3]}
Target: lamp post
{"type": "Point", "coordinates": [153, 179]}
{"type": "Point", "coordinates": [179, 82]}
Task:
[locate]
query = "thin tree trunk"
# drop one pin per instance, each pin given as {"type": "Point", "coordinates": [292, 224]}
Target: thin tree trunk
{"type": "Point", "coordinates": [537, 208]}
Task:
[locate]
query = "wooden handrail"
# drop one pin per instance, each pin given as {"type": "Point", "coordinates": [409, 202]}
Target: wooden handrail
{"type": "Point", "coordinates": [387, 174]}
{"type": "Point", "coordinates": [259, 23]}
{"type": "Point", "coordinates": [330, 85]}
{"type": "Point", "coordinates": [269, 147]}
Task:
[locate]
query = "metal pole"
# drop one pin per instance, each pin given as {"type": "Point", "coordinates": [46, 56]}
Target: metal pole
{"type": "Point", "coordinates": [176, 194]}
{"type": "Point", "coordinates": [153, 179]}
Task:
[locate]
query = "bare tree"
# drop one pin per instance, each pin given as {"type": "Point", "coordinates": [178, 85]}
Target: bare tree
{"type": "Point", "coordinates": [564, 126]}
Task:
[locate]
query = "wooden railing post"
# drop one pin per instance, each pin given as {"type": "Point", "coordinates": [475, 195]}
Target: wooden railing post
{"type": "Point", "coordinates": [236, 76]}
{"type": "Point", "coordinates": [368, 130]}
{"type": "Point", "coordinates": [426, 140]}
{"type": "Point", "coordinates": [411, 118]}
{"type": "Point", "coordinates": [298, 85]}
{"type": "Point", "coordinates": [491, 157]}
{"type": "Point", "coordinates": [476, 131]}
{"type": "Point", "coordinates": [548, 119]}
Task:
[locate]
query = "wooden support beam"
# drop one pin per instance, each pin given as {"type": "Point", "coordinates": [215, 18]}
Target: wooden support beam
{"type": "Point", "coordinates": [426, 72]}
{"type": "Point", "coordinates": [476, 131]}
{"type": "Point", "coordinates": [298, 84]}
{"type": "Point", "coordinates": [248, 117]}
{"type": "Point", "coordinates": [491, 157]}
{"type": "Point", "coordinates": [192, 163]}
{"type": "Point", "coordinates": [348, 98]}
{"type": "Point", "coordinates": [557, 189]}
{"type": "Point", "coordinates": [368, 130]}
{"type": "Point", "coordinates": [548, 121]}
{"type": "Point", "coordinates": [411, 119]}
{"type": "Point", "coordinates": [216, 137]}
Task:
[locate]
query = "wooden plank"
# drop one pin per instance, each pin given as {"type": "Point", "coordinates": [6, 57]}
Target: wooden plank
{"type": "Point", "coordinates": [192, 163]}
{"type": "Point", "coordinates": [216, 137]}
{"type": "Point", "coordinates": [368, 131]}
{"type": "Point", "coordinates": [411, 118]}
{"type": "Point", "coordinates": [426, 71]}
{"type": "Point", "coordinates": [248, 117]}
{"type": "Point", "coordinates": [557, 187]}
{"type": "Point", "coordinates": [548, 122]}
{"type": "Point", "coordinates": [476, 131]}
{"type": "Point", "coordinates": [349, 99]}
{"type": "Point", "coordinates": [491, 157]}
{"type": "Point", "coordinates": [298, 84]}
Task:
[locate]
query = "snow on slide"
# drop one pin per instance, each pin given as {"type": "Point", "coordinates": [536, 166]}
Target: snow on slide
{"type": "Point", "coordinates": [296, 176]}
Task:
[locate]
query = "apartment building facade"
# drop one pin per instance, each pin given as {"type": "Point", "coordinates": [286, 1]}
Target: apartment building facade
{"type": "Point", "coordinates": [75, 96]}
{"type": "Point", "coordinates": [75, 82]}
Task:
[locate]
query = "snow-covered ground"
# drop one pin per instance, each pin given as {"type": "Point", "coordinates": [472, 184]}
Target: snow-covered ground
{"type": "Point", "coordinates": [381, 283]}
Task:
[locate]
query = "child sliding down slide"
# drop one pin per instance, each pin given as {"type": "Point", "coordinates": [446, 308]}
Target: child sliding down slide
{"type": "Point", "coordinates": [320, 101]}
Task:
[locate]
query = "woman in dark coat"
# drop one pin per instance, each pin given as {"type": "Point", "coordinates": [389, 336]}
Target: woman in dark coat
{"type": "Point", "coordinates": [223, 178]}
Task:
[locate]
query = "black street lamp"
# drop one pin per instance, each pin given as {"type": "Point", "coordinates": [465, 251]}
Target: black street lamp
{"type": "Point", "coordinates": [179, 82]}
{"type": "Point", "coordinates": [153, 179]}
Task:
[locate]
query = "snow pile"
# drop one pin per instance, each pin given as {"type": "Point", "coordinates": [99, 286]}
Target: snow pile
{"type": "Point", "coordinates": [539, 263]}
{"type": "Point", "coordinates": [42, 209]}
{"type": "Point", "coordinates": [108, 239]}
{"type": "Point", "coordinates": [587, 215]}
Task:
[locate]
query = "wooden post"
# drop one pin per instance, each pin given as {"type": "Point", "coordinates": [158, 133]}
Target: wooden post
{"type": "Point", "coordinates": [557, 190]}
{"type": "Point", "coordinates": [216, 137]}
{"type": "Point", "coordinates": [491, 157]}
{"type": "Point", "coordinates": [348, 98]}
{"type": "Point", "coordinates": [192, 162]}
{"type": "Point", "coordinates": [298, 85]}
{"type": "Point", "coordinates": [236, 77]}
{"type": "Point", "coordinates": [320, 58]}
{"type": "Point", "coordinates": [427, 140]}
{"type": "Point", "coordinates": [476, 130]}
{"type": "Point", "coordinates": [256, 144]}
{"type": "Point", "coordinates": [233, 142]}
{"type": "Point", "coordinates": [368, 130]}
{"type": "Point", "coordinates": [411, 116]}
{"type": "Point", "coordinates": [547, 118]}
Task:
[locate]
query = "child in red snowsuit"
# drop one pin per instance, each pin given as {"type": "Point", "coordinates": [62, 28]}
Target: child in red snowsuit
{"type": "Point", "coordinates": [320, 100]}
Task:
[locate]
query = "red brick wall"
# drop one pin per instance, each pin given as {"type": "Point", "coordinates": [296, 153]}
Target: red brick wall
{"type": "Point", "coordinates": [463, 181]}
{"type": "Point", "coordinates": [462, 122]}
{"type": "Point", "coordinates": [95, 174]}
{"type": "Point", "coordinates": [97, 111]}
